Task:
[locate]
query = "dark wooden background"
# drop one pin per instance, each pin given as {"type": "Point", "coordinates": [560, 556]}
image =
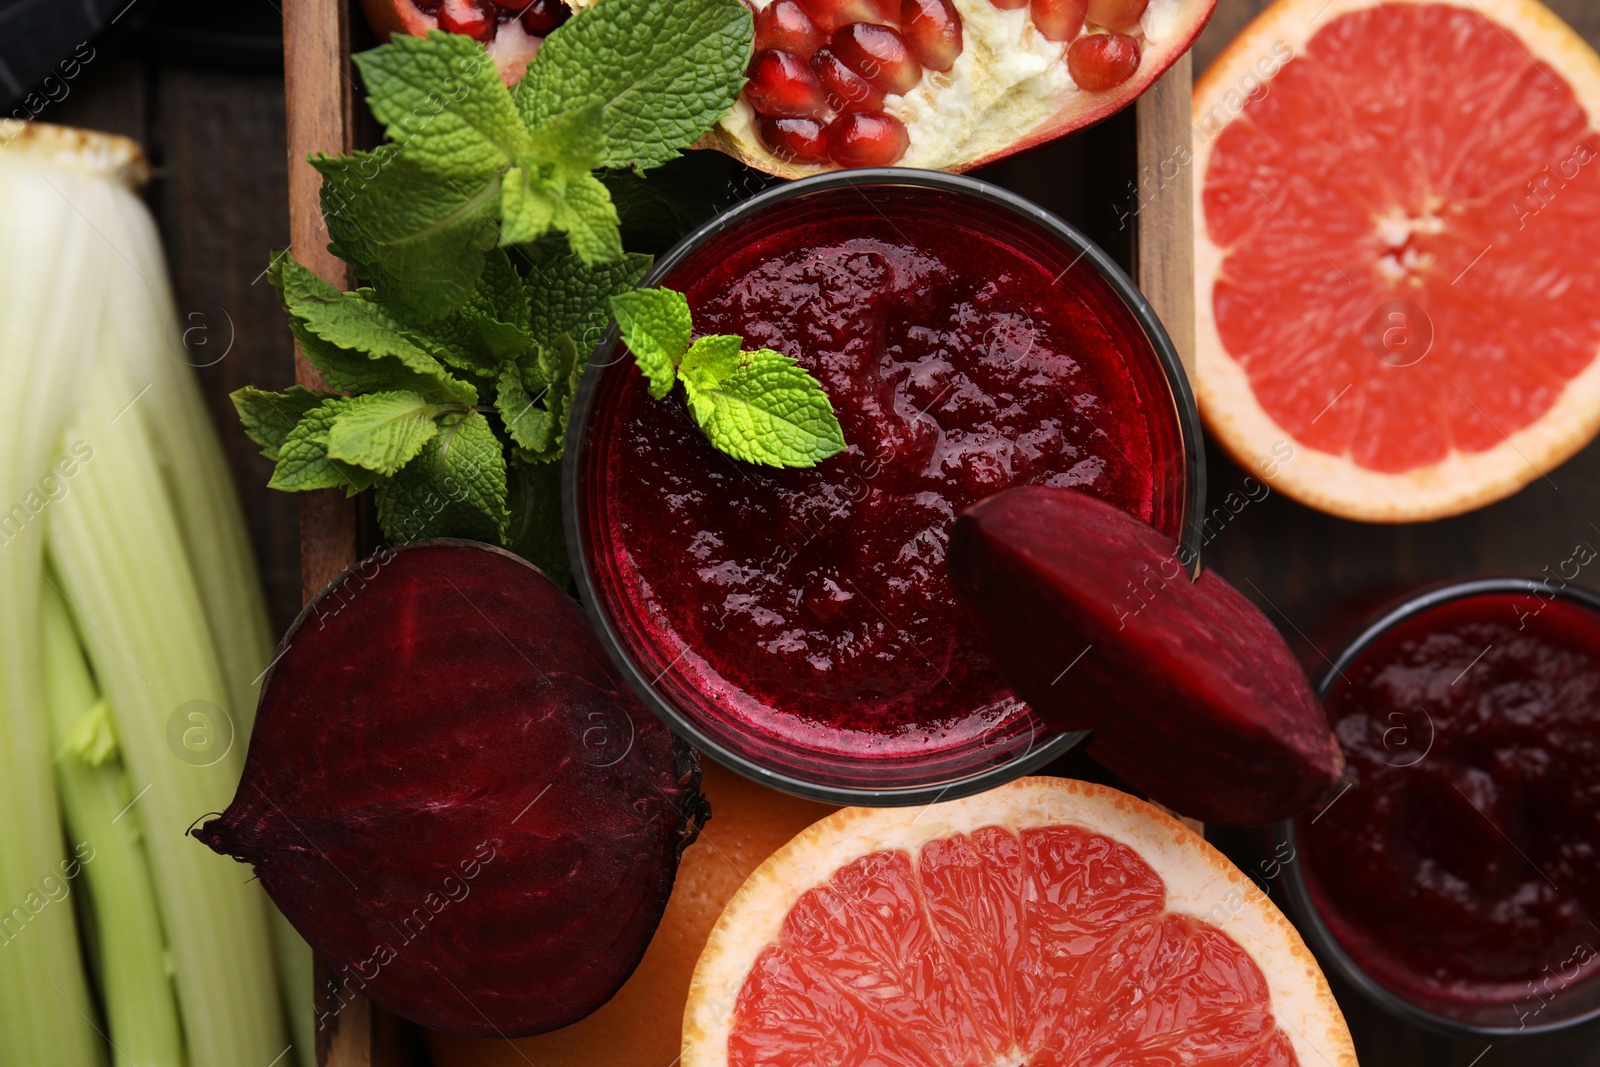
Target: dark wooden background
{"type": "Point", "coordinates": [211, 115]}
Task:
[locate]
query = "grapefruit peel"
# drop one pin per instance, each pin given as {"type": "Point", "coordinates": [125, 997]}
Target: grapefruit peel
{"type": "Point", "coordinates": [1200, 882]}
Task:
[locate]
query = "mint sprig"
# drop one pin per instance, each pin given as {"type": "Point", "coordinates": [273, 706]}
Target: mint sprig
{"type": "Point", "coordinates": [758, 406]}
{"type": "Point", "coordinates": [491, 252]}
{"type": "Point", "coordinates": [470, 164]}
{"type": "Point", "coordinates": [430, 398]}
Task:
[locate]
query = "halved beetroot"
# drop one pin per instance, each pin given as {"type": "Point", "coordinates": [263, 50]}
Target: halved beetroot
{"type": "Point", "coordinates": [453, 798]}
{"type": "Point", "coordinates": [1191, 692]}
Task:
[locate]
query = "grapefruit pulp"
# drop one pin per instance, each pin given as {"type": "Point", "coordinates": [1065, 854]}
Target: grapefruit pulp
{"type": "Point", "coordinates": [1395, 275]}
{"type": "Point", "coordinates": [1044, 922]}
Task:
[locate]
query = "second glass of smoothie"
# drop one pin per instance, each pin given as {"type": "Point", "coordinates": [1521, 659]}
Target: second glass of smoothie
{"type": "Point", "coordinates": [799, 624]}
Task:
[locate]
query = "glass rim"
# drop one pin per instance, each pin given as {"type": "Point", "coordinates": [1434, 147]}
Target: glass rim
{"type": "Point", "coordinates": [1309, 921]}
{"type": "Point", "coordinates": [1186, 414]}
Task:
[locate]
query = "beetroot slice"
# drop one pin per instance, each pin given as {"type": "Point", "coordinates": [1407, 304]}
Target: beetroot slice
{"type": "Point", "coordinates": [455, 801]}
{"type": "Point", "coordinates": [1191, 692]}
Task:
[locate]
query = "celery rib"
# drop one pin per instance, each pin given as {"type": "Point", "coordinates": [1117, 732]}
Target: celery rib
{"type": "Point", "coordinates": [46, 340]}
{"type": "Point", "coordinates": [115, 542]}
{"type": "Point", "coordinates": [218, 549]}
{"type": "Point", "coordinates": [103, 830]}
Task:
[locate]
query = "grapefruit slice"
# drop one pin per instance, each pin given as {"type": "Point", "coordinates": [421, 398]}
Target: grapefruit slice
{"type": "Point", "coordinates": [1396, 215]}
{"type": "Point", "coordinates": [1046, 922]}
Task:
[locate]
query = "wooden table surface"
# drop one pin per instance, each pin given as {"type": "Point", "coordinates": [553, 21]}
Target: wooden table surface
{"type": "Point", "coordinates": [218, 140]}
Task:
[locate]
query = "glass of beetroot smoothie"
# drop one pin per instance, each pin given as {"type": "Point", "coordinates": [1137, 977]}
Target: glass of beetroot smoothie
{"type": "Point", "coordinates": [1456, 882]}
{"type": "Point", "coordinates": [799, 625]}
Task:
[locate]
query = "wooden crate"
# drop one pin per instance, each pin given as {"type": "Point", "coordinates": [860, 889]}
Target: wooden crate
{"type": "Point", "coordinates": [322, 117]}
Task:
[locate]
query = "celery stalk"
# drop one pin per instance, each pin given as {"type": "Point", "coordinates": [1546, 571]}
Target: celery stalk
{"type": "Point", "coordinates": [117, 544]}
{"type": "Point", "coordinates": [196, 474]}
{"type": "Point", "coordinates": [216, 541]}
{"type": "Point", "coordinates": [53, 272]}
{"type": "Point", "coordinates": [141, 1008]}
{"type": "Point", "coordinates": [297, 983]}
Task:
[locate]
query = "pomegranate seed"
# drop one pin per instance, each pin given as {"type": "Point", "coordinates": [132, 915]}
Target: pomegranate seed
{"type": "Point", "coordinates": [543, 16]}
{"type": "Point", "coordinates": [786, 25]}
{"type": "Point", "coordinates": [831, 14]}
{"type": "Point", "coordinates": [879, 55]}
{"type": "Point", "coordinates": [847, 90]}
{"type": "Point", "coordinates": [1116, 14]}
{"type": "Point", "coordinates": [468, 17]}
{"type": "Point", "coordinates": [795, 140]}
{"type": "Point", "coordinates": [1058, 20]}
{"type": "Point", "coordinates": [933, 30]}
{"type": "Point", "coordinates": [511, 6]}
{"type": "Point", "coordinates": [782, 86]}
{"type": "Point", "coordinates": [867, 139]}
{"type": "Point", "coordinates": [1102, 60]}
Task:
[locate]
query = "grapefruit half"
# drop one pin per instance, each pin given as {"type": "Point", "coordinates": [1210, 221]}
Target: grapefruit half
{"type": "Point", "coordinates": [1397, 211]}
{"type": "Point", "coordinates": [1046, 922]}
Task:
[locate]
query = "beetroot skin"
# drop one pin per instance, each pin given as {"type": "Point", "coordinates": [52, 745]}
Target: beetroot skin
{"type": "Point", "coordinates": [453, 798]}
{"type": "Point", "coordinates": [1191, 692]}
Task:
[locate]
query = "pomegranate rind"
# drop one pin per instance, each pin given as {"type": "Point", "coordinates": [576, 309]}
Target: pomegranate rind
{"type": "Point", "coordinates": [1005, 116]}
{"type": "Point", "coordinates": [453, 798]}
{"type": "Point", "coordinates": [1463, 481]}
{"type": "Point", "coordinates": [1200, 883]}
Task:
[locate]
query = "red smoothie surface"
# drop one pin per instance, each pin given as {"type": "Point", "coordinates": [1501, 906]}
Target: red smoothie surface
{"type": "Point", "coordinates": [813, 605]}
{"type": "Point", "coordinates": [1463, 865]}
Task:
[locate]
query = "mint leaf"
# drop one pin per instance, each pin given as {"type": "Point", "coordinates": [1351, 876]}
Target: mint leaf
{"type": "Point", "coordinates": [490, 329]}
{"type": "Point", "coordinates": [441, 97]}
{"type": "Point", "coordinates": [710, 360]}
{"type": "Point", "coordinates": [381, 431]}
{"type": "Point", "coordinates": [268, 417]}
{"type": "Point", "coordinates": [769, 411]}
{"type": "Point", "coordinates": [662, 71]}
{"type": "Point", "coordinates": [527, 207]}
{"type": "Point", "coordinates": [454, 487]}
{"type": "Point", "coordinates": [303, 461]}
{"type": "Point", "coordinates": [534, 190]}
{"type": "Point", "coordinates": [572, 140]}
{"type": "Point", "coordinates": [562, 366]}
{"type": "Point", "coordinates": [655, 325]}
{"type": "Point", "coordinates": [552, 376]}
{"type": "Point", "coordinates": [589, 218]}
{"type": "Point", "coordinates": [530, 425]}
{"type": "Point", "coordinates": [537, 533]}
{"type": "Point", "coordinates": [416, 235]}
{"type": "Point", "coordinates": [569, 296]}
{"type": "Point", "coordinates": [552, 188]}
{"type": "Point", "coordinates": [354, 342]}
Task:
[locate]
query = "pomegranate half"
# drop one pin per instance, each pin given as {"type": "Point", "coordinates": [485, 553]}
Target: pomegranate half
{"type": "Point", "coordinates": [453, 798]}
{"type": "Point", "coordinates": [938, 84]}
{"type": "Point", "coordinates": [941, 84]}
